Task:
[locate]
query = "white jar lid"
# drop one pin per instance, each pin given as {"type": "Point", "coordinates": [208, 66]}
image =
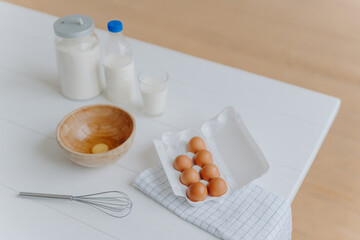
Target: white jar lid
{"type": "Point", "coordinates": [74, 26]}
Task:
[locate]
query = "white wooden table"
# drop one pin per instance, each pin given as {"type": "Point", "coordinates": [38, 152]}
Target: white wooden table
{"type": "Point", "coordinates": [289, 124]}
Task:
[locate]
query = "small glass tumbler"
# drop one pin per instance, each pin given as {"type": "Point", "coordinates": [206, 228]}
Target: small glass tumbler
{"type": "Point", "coordinates": [153, 86]}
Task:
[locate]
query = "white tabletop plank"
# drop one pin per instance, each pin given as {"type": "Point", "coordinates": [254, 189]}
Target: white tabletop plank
{"type": "Point", "coordinates": [289, 124]}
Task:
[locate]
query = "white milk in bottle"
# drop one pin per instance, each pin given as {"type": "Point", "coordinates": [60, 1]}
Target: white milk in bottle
{"type": "Point", "coordinates": [119, 66]}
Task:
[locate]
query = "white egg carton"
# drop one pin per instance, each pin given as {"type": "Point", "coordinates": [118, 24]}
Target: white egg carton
{"type": "Point", "coordinates": [234, 151]}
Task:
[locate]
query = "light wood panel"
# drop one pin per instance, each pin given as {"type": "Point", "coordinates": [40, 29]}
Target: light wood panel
{"type": "Point", "coordinates": [314, 44]}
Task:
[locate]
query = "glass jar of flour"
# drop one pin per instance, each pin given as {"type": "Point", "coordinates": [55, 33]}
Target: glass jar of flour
{"type": "Point", "coordinates": [78, 57]}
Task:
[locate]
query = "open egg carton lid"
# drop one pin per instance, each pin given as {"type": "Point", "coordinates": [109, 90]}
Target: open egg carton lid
{"type": "Point", "coordinates": [234, 151]}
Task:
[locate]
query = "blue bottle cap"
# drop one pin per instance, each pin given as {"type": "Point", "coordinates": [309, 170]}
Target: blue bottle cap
{"type": "Point", "coordinates": [115, 26]}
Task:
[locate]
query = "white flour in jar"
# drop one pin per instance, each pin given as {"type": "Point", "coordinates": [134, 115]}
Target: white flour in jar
{"type": "Point", "coordinates": [79, 70]}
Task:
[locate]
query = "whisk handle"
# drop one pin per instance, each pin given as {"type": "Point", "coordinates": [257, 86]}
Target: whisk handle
{"type": "Point", "coordinates": [45, 195]}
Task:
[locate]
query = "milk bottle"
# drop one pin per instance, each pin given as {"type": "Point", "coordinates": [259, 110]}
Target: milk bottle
{"type": "Point", "coordinates": [119, 66]}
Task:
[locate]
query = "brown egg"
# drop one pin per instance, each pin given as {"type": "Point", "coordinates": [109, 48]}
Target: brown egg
{"type": "Point", "coordinates": [189, 176]}
{"type": "Point", "coordinates": [202, 158]}
{"type": "Point", "coordinates": [209, 171]}
{"type": "Point", "coordinates": [197, 192]}
{"type": "Point", "coordinates": [196, 144]}
{"type": "Point", "coordinates": [217, 187]}
{"type": "Point", "coordinates": [182, 162]}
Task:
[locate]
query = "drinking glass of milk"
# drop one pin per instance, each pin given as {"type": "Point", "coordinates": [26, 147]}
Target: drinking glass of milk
{"type": "Point", "coordinates": [153, 86]}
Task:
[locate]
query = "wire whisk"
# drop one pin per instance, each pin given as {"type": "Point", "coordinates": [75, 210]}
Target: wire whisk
{"type": "Point", "coordinates": [113, 203]}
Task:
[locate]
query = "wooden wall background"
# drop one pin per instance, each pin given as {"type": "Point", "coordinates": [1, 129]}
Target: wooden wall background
{"type": "Point", "coordinates": [310, 43]}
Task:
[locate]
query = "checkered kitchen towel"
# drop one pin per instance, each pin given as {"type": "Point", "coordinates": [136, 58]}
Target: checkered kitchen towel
{"type": "Point", "coordinates": [249, 213]}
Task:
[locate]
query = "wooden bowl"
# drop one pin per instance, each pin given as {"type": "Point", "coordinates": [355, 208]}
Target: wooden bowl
{"type": "Point", "coordinates": [85, 127]}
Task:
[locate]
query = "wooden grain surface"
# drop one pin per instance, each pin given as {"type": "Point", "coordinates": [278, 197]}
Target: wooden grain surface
{"type": "Point", "coordinates": [314, 44]}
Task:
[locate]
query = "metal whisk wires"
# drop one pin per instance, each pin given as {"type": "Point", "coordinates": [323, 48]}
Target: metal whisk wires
{"type": "Point", "coordinates": [113, 203]}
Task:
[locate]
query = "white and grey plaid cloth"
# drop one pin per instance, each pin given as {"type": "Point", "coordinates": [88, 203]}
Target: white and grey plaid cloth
{"type": "Point", "coordinates": [249, 213]}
